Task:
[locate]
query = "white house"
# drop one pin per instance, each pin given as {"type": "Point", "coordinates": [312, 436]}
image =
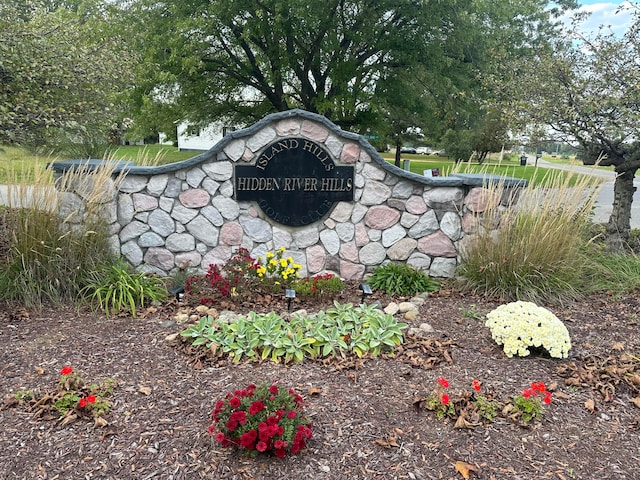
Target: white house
{"type": "Point", "coordinates": [201, 138]}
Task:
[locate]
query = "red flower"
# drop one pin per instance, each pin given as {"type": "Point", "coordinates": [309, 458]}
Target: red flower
{"type": "Point", "coordinates": [547, 398]}
{"type": "Point", "coordinates": [273, 389]}
{"type": "Point", "coordinates": [82, 403]}
{"type": "Point", "coordinates": [291, 414]}
{"type": "Point", "coordinates": [66, 370]}
{"type": "Point", "coordinates": [234, 402]}
{"type": "Point", "coordinates": [445, 399]}
{"type": "Point", "coordinates": [219, 437]}
{"type": "Point", "coordinates": [443, 382]}
{"type": "Point", "coordinates": [91, 399]}
{"type": "Point", "coordinates": [248, 439]}
{"type": "Point", "coordinates": [256, 407]}
{"type": "Point", "coordinates": [281, 452]}
{"type": "Point", "coordinates": [261, 446]}
{"type": "Point", "coordinates": [526, 393]}
{"type": "Point", "coordinates": [476, 385]}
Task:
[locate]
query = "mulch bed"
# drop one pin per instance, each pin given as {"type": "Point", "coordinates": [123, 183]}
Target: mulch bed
{"type": "Point", "coordinates": [365, 422]}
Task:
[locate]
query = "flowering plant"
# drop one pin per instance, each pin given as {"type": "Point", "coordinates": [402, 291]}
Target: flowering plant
{"type": "Point", "coordinates": [277, 269]}
{"type": "Point", "coordinates": [520, 325]}
{"type": "Point", "coordinates": [73, 398]}
{"type": "Point", "coordinates": [528, 405]}
{"type": "Point", "coordinates": [440, 402]}
{"type": "Point", "coordinates": [263, 418]}
{"type": "Point", "coordinates": [319, 285]}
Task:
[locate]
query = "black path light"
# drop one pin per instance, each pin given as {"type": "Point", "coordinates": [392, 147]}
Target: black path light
{"type": "Point", "coordinates": [178, 291]}
{"type": "Point", "coordinates": [289, 294]}
{"type": "Point", "coordinates": [366, 291]}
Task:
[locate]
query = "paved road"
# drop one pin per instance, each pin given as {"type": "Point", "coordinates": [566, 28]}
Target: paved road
{"type": "Point", "coordinates": [604, 204]}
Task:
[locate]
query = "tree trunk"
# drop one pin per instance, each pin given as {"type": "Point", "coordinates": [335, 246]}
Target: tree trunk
{"type": "Point", "coordinates": [619, 224]}
{"type": "Point", "coordinates": [398, 147]}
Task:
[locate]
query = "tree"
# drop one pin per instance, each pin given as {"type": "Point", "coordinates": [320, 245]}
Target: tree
{"type": "Point", "coordinates": [588, 93]}
{"type": "Point", "coordinates": [241, 59]}
{"type": "Point", "coordinates": [61, 72]}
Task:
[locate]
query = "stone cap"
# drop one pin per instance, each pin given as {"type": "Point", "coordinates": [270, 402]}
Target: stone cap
{"type": "Point", "coordinates": [211, 155]}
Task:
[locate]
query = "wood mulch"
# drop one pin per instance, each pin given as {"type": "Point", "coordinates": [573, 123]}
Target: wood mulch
{"type": "Point", "coordinates": [365, 423]}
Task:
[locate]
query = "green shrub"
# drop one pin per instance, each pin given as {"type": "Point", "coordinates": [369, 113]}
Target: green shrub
{"type": "Point", "coordinates": [116, 288]}
{"type": "Point", "coordinates": [342, 329]}
{"type": "Point", "coordinates": [401, 279]}
{"type": "Point", "coordinates": [48, 259]}
{"type": "Point", "coordinates": [321, 286]}
{"type": "Point", "coordinates": [537, 253]}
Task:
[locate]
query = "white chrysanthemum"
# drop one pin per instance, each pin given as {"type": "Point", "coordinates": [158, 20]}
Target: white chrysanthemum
{"type": "Point", "coordinates": [520, 325]}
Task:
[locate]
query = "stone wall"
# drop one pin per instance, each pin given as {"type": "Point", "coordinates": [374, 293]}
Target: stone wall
{"type": "Point", "coordinates": [185, 214]}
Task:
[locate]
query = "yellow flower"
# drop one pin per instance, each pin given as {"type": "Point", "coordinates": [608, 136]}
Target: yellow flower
{"type": "Point", "coordinates": [269, 255]}
{"type": "Point", "coordinates": [281, 249]}
{"type": "Point", "coordinates": [273, 262]}
{"type": "Point", "coordinates": [283, 263]}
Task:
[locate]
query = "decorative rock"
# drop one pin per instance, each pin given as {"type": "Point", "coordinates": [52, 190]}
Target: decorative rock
{"type": "Point", "coordinates": [408, 220]}
{"type": "Point", "coordinates": [256, 229]}
{"type": "Point", "coordinates": [416, 205]}
{"type": "Point", "coordinates": [349, 252]}
{"type": "Point", "coordinates": [174, 187]}
{"type": "Point", "coordinates": [203, 230]}
{"type": "Point", "coordinates": [194, 177]}
{"type": "Point", "coordinates": [350, 153]}
{"type": "Point", "coordinates": [213, 215]}
{"type": "Point", "coordinates": [314, 131]}
{"type": "Point", "coordinates": [392, 308]}
{"type": "Point", "coordinates": [451, 225]}
{"type": "Point", "coordinates": [183, 214]}
{"type": "Point", "coordinates": [342, 212]}
{"type": "Point", "coordinates": [150, 239]}
{"type": "Point", "coordinates": [220, 171]}
{"type": "Point", "coordinates": [402, 249]}
{"type": "Point", "coordinates": [133, 183]}
{"type": "Point", "coordinates": [215, 256]}
{"type": "Point", "coordinates": [362, 237]}
{"type": "Point", "coordinates": [227, 207]}
{"type": "Point", "coordinates": [406, 306]}
{"type": "Point", "coordinates": [159, 257]}
{"type": "Point", "coordinates": [187, 260]}
{"type": "Point", "coordinates": [412, 315]}
{"type": "Point", "coordinates": [444, 198]}
{"type": "Point", "coordinates": [316, 256]}
{"type": "Point", "coordinates": [288, 127]}
{"type": "Point", "coordinates": [375, 193]}
{"type": "Point", "coordinates": [345, 231]}
{"type": "Point", "coordinates": [443, 267]}
{"type": "Point", "coordinates": [180, 242]}
{"type": "Point", "coordinates": [372, 254]}
{"type": "Point", "coordinates": [194, 198]}
{"type": "Point", "coordinates": [403, 189]}
{"type": "Point", "coordinates": [437, 245]}
{"type": "Point", "coordinates": [381, 217]}
{"type": "Point", "coordinates": [331, 242]}
{"type": "Point", "coordinates": [157, 184]}
{"type": "Point", "coordinates": [234, 151]}
{"type": "Point", "coordinates": [351, 271]}
{"type": "Point", "coordinates": [133, 230]}
{"type": "Point", "coordinates": [161, 223]}
{"type": "Point", "coordinates": [132, 252]}
{"type": "Point", "coordinates": [392, 235]}
{"type": "Point", "coordinates": [261, 139]}
{"type": "Point", "coordinates": [125, 209]}
{"type": "Point", "coordinates": [231, 233]}
{"type": "Point", "coordinates": [427, 225]}
{"type": "Point", "coordinates": [419, 261]}
{"type": "Point", "coordinates": [306, 237]}
{"type": "Point", "coordinates": [425, 327]}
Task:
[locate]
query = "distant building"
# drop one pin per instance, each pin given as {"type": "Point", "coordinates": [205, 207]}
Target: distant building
{"type": "Point", "coordinates": [201, 139]}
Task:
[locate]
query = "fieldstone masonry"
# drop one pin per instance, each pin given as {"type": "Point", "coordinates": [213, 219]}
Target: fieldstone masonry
{"type": "Point", "coordinates": [185, 214]}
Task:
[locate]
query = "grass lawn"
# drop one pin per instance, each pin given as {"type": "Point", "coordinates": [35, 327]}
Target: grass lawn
{"type": "Point", "coordinates": [18, 164]}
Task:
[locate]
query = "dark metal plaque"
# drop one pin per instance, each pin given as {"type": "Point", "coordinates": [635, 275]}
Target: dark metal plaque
{"type": "Point", "coordinates": [294, 181]}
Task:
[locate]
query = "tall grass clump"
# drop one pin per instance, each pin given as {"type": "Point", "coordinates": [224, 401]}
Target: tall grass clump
{"type": "Point", "coordinates": [535, 250]}
{"type": "Point", "coordinates": [49, 258]}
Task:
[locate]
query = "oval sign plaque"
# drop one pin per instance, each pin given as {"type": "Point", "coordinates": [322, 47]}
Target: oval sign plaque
{"type": "Point", "coordinates": [294, 181]}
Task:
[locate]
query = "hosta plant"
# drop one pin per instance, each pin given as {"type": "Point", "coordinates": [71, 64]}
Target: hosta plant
{"type": "Point", "coordinates": [518, 326]}
{"type": "Point", "coordinates": [261, 419]}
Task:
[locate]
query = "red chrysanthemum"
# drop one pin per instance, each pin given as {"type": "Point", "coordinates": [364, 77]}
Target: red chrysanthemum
{"type": "Point", "coordinates": [256, 407]}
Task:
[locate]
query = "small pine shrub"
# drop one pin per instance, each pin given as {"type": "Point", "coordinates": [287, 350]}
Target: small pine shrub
{"type": "Point", "coordinates": [401, 279]}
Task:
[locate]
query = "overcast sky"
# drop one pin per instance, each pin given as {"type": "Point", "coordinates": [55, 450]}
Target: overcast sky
{"type": "Point", "coordinates": [604, 13]}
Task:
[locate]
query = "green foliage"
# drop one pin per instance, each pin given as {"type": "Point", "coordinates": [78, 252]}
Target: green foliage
{"type": "Point", "coordinates": [59, 67]}
{"type": "Point", "coordinates": [340, 330]}
{"type": "Point", "coordinates": [535, 251]}
{"type": "Point", "coordinates": [613, 272]}
{"type": "Point", "coordinates": [487, 409]}
{"type": "Point", "coordinates": [323, 286]}
{"type": "Point", "coordinates": [115, 288]}
{"type": "Point", "coordinates": [401, 279]}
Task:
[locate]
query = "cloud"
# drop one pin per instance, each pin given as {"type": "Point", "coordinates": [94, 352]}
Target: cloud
{"type": "Point", "coordinates": [608, 15]}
